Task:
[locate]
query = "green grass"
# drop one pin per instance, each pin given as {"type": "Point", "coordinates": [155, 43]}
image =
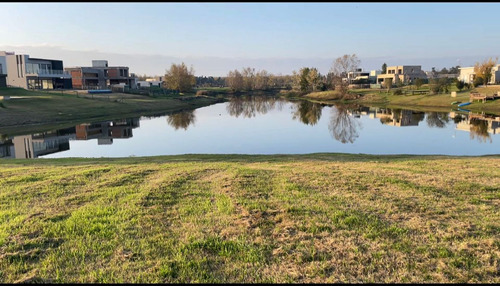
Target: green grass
{"type": "Point", "coordinates": [438, 102]}
{"type": "Point", "coordinates": [40, 111]}
{"type": "Point", "coordinates": [315, 218]}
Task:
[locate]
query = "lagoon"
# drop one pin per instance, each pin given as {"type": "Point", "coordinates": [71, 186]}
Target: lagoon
{"type": "Point", "coordinates": [268, 125]}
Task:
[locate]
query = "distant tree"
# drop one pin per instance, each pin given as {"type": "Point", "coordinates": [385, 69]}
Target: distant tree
{"type": "Point", "coordinates": [477, 81]}
{"type": "Point", "coordinates": [388, 83]}
{"type": "Point", "coordinates": [419, 82]}
{"type": "Point", "coordinates": [234, 80]}
{"type": "Point", "coordinates": [304, 79]}
{"type": "Point", "coordinates": [301, 79]}
{"type": "Point", "coordinates": [248, 78]}
{"type": "Point", "coordinates": [460, 84]}
{"type": "Point", "coordinates": [178, 77]}
{"type": "Point", "coordinates": [262, 80]}
{"type": "Point", "coordinates": [340, 68]}
{"type": "Point", "coordinates": [142, 77]}
{"type": "Point", "coordinates": [439, 85]}
{"type": "Point", "coordinates": [314, 79]}
{"type": "Point", "coordinates": [384, 68]}
{"type": "Point", "coordinates": [454, 70]}
{"type": "Point", "coordinates": [484, 69]}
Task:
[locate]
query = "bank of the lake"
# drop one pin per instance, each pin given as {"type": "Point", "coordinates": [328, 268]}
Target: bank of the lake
{"type": "Point", "coordinates": [239, 218]}
{"type": "Point", "coordinates": [425, 102]}
{"type": "Point", "coordinates": [31, 111]}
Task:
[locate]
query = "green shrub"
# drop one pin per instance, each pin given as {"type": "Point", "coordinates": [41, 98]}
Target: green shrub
{"type": "Point", "coordinates": [398, 92]}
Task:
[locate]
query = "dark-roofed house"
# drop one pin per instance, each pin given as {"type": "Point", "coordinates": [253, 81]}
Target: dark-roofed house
{"type": "Point", "coordinates": [35, 73]}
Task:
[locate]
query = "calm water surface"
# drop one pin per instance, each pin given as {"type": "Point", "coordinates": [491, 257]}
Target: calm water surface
{"type": "Point", "coordinates": [258, 125]}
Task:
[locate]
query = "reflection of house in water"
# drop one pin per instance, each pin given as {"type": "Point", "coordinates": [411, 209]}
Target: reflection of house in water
{"type": "Point", "coordinates": [492, 122]}
{"type": "Point", "coordinates": [398, 118]}
{"type": "Point", "coordinates": [106, 131]}
{"type": "Point", "coordinates": [33, 146]}
{"type": "Point", "coordinates": [6, 148]}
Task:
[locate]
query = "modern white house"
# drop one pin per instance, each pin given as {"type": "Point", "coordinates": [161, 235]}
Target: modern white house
{"type": "Point", "coordinates": [468, 75]}
{"type": "Point", "coordinates": [34, 73]}
{"type": "Point", "coordinates": [406, 74]}
{"type": "Point", "coordinates": [150, 82]}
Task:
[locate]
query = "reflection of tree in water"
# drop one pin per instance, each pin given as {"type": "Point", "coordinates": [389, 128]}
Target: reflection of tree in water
{"type": "Point", "coordinates": [479, 130]}
{"type": "Point", "coordinates": [3, 137]}
{"type": "Point", "coordinates": [437, 119]}
{"type": "Point", "coordinates": [417, 116]}
{"type": "Point", "coordinates": [181, 120]}
{"type": "Point", "coordinates": [342, 126]}
{"type": "Point", "coordinates": [458, 118]}
{"type": "Point", "coordinates": [249, 106]}
{"type": "Point", "coordinates": [308, 112]}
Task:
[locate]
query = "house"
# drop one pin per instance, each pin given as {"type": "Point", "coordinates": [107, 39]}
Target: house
{"type": "Point", "coordinates": [150, 82]}
{"type": "Point", "coordinates": [100, 76]}
{"type": "Point", "coordinates": [405, 74]}
{"type": "Point", "coordinates": [467, 75]}
{"type": "Point", "coordinates": [358, 74]}
{"type": "Point", "coordinates": [33, 73]}
{"type": "Point", "coordinates": [372, 77]}
{"type": "Point", "coordinates": [39, 144]}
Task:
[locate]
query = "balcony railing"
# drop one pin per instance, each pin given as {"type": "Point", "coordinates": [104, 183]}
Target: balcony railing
{"type": "Point", "coordinates": [51, 73]}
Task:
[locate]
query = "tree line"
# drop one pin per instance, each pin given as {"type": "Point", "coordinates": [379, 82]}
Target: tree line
{"type": "Point", "coordinates": [307, 79]}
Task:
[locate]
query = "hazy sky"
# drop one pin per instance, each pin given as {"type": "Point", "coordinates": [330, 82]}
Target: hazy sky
{"type": "Point", "coordinates": [215, 38]}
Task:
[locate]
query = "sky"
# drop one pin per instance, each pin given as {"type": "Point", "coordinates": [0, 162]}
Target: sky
{"type": "Point", "coordinates": [215, 38]}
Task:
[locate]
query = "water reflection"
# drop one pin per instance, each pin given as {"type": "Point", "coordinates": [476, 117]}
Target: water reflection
{"type": "Point", "coordinates": [308, 112]}
{"type": "Point", "coordinates": [250, 106]}
{"type": "Point", "coordinates": [437, 119]}
{"type": "Point", "coordinates": [44, 143]}
{"type": "Point", "coordinates": [182, 119]}
{"type": "Point", "coordinates": [344, 125]}
{"type": "Point", "coordinates": [397, 117]}
{"type": "Point", "coordinates": [480, 126]}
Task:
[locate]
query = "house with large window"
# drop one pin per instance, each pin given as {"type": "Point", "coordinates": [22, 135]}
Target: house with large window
{"type": "Point", "coordinates": [34, 73]}
{"type": "Point", "coordinates": [405, 74]}
{"type": "Point", "coordinates": [100, 76]}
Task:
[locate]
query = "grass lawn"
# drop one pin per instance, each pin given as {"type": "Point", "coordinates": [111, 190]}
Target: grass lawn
{"type": "Point", "coordinates": [247, 218]}
{"type": "Point", "coordinates": [439, 102]}
{"type": "Point", "coordinates": [37, 110]}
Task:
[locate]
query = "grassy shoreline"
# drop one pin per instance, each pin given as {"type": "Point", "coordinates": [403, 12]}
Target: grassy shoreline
{"type": "Point", "coordinates": [37, 111]}
{"type": "Point", "coordinates": [439, 102]}
{"type": "Point", "coordinates": [33, 111]}
{"type": "Point", "coordinates": [313, 218]}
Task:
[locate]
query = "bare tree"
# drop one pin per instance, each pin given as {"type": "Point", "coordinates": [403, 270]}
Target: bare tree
{"type": "Point", "coordinates": [262, 80]}
{"type": "Point", "coordinates": [234, 80]}
{"type": "Point", "coordinates": [342, 126]}
{"type": "Point", "coordinates": [248, 78]}
{"type": "Point", "coordinates": [340, 68]}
